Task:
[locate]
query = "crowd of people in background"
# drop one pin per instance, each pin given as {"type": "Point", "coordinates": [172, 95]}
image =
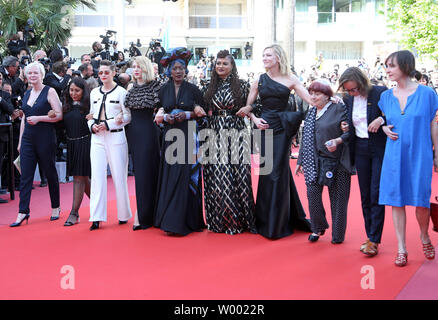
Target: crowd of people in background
{"type": "Point", "coordinates": [354, 119]}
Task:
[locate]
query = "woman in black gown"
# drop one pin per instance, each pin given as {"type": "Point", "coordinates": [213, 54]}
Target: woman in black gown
{"type": "Point", "coordinates": [76, 107]}
{"type": "Point", "coordinates": [143, 137]}
{"type": "Point", "coordinates": [179, 205]}
{"type": "Point", "coordinates": [278, 207]}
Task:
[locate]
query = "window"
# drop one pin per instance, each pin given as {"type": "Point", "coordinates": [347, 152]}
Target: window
{"type": "Point", "coordinates": [302, 5]}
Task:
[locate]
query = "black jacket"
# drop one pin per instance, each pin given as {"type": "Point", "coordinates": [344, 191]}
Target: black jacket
{"type": "Point", "coordinates": [59, 85]}
{"type": "Point", "coordinates": [6, 109]}
{"type": "Point", "coordinates": [18, 86]}
{"type": "Point", "coordinates": [378, 139]}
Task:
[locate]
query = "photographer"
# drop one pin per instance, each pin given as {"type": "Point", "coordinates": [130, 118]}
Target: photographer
{"type": "Point", "coordinates": [24, 57]}
{"type": "Point", "coordinates": [14, 75]}
{"type": "Point", "coordinates": [87, 73]}
{"type": "Point", "coordinates": [59, 77]}
{"type": "Point", "coordinates": [157, 52]}
{"type": "Point", "coordinates": [7, 113]}
{"type": "Point", "coordinates": [15, 43]}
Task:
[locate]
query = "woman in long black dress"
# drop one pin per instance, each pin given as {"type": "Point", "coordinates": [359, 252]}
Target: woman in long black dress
{"type": "Point", "coordinates": [229, 201]}
{"type": "Point", "coordinates": [143, 137]}
{"type": "Point", "coordinates": [76, 107]}
{"type": "Point", "coordinates": [278, 207]}
{"type": "Point", "coordinates": [179, 206]}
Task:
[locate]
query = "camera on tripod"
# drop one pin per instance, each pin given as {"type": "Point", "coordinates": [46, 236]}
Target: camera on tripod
{"type": "Point", "coordinates": [106, 39]}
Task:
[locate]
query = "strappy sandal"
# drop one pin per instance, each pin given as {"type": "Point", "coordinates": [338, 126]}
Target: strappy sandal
{"type": "Point", "coordinates": [371, 249]}
{"type": "Point", "coordinates": [429, 251]}
{"type": "Point", "coordinates": [364, 245]}
{"type": "Point", "coordinates": [69, 221]}
{"type": "Point", "coordinates": [402, 259]}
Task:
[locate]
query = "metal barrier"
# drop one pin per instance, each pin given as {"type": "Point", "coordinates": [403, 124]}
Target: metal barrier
{"type": "Point", "coordinates": [11, 182]}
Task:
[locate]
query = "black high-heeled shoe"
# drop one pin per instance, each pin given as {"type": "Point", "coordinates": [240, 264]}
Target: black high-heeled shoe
{"type": "Point", "coordinates": [94, 226]}
{"type": "Point", "coordinates": [17, 224]}
{"type": "Point", "coordinates": [123, 222]}
{"type": "Point", "coordinates": [314, 238]}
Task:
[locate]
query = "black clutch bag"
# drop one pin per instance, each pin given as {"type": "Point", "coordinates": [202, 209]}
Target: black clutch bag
{"type": "Point", "coordinates": [327, 168]}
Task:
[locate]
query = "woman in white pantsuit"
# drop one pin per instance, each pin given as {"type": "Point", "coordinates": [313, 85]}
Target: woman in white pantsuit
{"type": "Point", "coordinates": [108, 146]}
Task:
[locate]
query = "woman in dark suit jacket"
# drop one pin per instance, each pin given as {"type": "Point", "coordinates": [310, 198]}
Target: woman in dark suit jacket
{"type": "Point", "coordinates": [325, 158]}
{"type": "Point", "coordinates": [367, 147]}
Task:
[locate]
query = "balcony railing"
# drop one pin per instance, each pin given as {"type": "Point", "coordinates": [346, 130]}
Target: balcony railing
{"type": "Point", "coordinates": [344, 18]}
{"type": "Point", "coordinates": [211, 21]}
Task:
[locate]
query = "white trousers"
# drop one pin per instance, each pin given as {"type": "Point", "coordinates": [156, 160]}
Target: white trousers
{"type": "Point", "coordinates": [109, 148]}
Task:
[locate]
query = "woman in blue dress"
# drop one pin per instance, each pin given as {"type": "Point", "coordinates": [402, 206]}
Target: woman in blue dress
{"type": "Point", "coordinates": [411, 128]}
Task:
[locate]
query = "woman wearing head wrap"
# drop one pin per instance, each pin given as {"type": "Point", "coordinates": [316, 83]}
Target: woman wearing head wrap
{"type": "Point", "coordinates": [179, 207]}
{"type": "Point", "coordinates": [325, 158]}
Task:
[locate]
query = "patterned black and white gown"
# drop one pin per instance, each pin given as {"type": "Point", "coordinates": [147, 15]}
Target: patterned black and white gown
{"type": "Point", "coordinates": [228, 197]}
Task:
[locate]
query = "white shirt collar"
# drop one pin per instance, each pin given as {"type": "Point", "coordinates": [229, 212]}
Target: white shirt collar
{"type": "Point", "coordinates": [323, 110]}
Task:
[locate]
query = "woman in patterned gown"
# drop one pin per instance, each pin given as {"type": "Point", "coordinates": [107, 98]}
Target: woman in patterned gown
{"type": "Point", "coordinates": [228, 197]}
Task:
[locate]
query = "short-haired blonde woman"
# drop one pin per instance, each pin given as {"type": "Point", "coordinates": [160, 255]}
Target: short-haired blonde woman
{"type": "Point", "coordinates": [143, 138]}
{"type": "Point", "coordinates": [278, 207]}
{"type": "Point", "coordinates": [37, 144]}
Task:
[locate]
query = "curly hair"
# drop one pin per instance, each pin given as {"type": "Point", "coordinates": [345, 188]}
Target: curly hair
{"type": "Point", "coordinates": [235, 82]}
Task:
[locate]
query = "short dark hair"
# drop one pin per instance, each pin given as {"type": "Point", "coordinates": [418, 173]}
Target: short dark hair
{"type": "Point", "coordinates": [83, 67]}
{"type": "Point", "coordinates": [109, 64]}
{"type": "Point", "coordinates": [318, 86]}
{"type": "Point", "coordinates": [59, 66]}
{"type": "Point", "coordinates": [405, 60]}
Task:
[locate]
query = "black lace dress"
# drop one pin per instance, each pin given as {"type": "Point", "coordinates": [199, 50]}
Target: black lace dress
{"type": "Point", "coordinates": [143, 142]}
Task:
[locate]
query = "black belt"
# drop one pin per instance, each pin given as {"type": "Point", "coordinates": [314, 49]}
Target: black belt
{"type": "Point", "coordinates": [116, 130]}
{"type": "Point", "coordinates": [224, 112]}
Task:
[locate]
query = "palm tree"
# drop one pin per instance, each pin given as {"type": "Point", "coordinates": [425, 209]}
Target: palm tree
{"type": "Point", "coordinates": [52, 19]}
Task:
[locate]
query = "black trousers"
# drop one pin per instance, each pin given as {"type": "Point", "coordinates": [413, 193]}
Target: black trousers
{"type": "Point", "coordinates": [42, 153]}
{"type": "Point", "coordinates": [339, 193]}
{"type": "Point", "coordinates": [369, 166]}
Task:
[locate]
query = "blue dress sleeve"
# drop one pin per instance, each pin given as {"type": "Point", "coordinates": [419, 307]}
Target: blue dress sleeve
{"type": "Point", "coordinates": [433, 105]}
{"type": "Point", "coordinates": [382, 103]}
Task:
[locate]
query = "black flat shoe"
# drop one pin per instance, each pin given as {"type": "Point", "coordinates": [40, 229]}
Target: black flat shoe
{"type": "Point", "coordinates": [337, 242]}
{"type": "Point", "coordinates": [17, 224]}
{"type": "Point", "coordinates": [94, 226]}
{"type": "Point", "coordinates": [123, 222]}
{"type": "Point", "coordinates": [135, 228]}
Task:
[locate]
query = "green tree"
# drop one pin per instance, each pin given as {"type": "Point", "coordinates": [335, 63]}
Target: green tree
{"type": "Point", "coordinates": [416, 23]}
{"type": "Point", "coordinates": [52, 19]}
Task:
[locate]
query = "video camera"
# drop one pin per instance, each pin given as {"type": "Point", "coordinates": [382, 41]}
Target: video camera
{"type": "Point", "coordinates": [155, 43]}
{"type": "Point", "coordinates": [45, 61]}
{"type": "Point", "coordinates": [71, 62]}
{"type": "Point", "coordinates": [106, 39]}
{"type": "Point", "coordinates": [23, 60]}
{"type": "Point", "coordinates": [133, 51]}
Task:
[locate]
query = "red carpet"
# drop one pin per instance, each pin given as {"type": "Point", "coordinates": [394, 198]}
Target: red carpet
{"type": "Point", "coordinates": [117, 263]}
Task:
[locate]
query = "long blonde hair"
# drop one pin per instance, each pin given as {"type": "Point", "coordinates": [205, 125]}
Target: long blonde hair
{"type": "Point", "coordinates": [282, 58]}
{"type": "Point", "coordinates": [146, 67]}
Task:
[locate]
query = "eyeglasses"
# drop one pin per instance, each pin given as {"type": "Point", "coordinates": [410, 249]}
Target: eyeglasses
{"type": "Point", "coordinates": [106, 72]}
{"type": "Point", "coordinates": [351, 90]}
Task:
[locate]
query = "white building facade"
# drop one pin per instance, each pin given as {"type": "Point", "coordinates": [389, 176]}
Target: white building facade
{"type": "Point", "coordinates": [342, 30]}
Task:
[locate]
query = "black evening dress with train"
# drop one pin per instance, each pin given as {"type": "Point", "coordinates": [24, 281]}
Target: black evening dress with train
{"type": "Point", "coordinates": [278, 206]}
